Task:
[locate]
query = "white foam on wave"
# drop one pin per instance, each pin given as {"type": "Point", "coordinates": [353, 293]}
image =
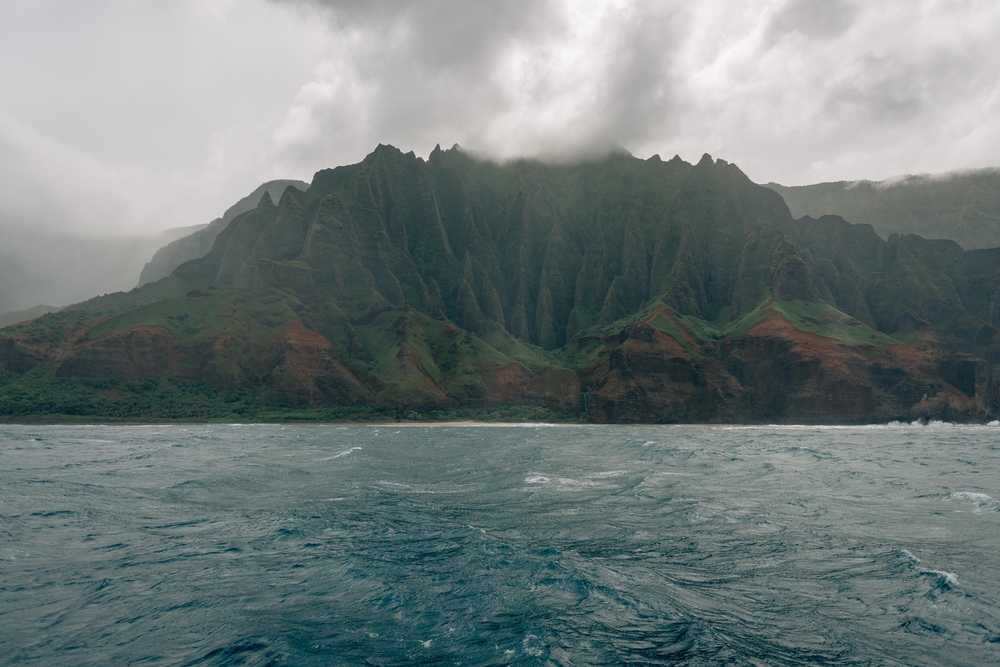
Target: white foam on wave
{"type": "Point", "coordinates": [422, 488]}
{"type": "Point", "coordinates": [343, 453]}
{"type": "Point", "coordinates": [950, 578]}
{"type": "Point", "coordinates": [564, 482]}
{"type": "Point", "coordinates": [979, 501]}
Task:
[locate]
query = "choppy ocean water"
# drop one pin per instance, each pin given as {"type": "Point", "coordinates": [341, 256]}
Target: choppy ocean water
{"type": "Point", "coordinates": [481, 545]}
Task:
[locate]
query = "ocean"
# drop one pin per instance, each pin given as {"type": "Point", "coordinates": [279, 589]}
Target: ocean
{"type": "Point", "coordinates": [499, 545]}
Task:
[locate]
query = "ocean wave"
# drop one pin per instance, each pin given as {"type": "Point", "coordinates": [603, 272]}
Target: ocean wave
{"type": "Point", "coordinates": [945, 579]}
{"type": "Point", "coordinates": [431, 489]}
{"type": "Point", "coordinates": [950, 579]}
{"type": "Point", "coordinates": [562, 481]}
{"type": "Point", "coordinates": [980, 501]}
{"type": "Point", "coordinates": [608, 473]}
{"type": "Point", "coordinates": [343, 453]}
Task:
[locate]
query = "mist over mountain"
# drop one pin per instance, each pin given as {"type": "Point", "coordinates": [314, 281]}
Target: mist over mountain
{"type": "Point", "coordinates": [961, 206]}
{"type": "Point", "coordinates": [198, 243]}
{"type": "Point", "coordinates": [62, 267]}
{"type": "Point", "coordinates": [614, 289]}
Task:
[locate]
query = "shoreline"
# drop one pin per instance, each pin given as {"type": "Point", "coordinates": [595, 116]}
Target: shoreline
{"type": "Point", "coordinates": [470, 422]}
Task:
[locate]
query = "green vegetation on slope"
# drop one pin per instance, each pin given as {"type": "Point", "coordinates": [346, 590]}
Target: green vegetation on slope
{"type": "Point", "coordinates": [823, 320]}
{"type": "Point", "coordinates": [34, 397]}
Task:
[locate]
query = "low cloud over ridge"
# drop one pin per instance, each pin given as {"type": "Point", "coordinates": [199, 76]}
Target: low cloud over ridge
{"type": "Point", "coordinates": [796, 91]}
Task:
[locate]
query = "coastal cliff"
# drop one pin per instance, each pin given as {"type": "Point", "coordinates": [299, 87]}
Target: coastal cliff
{"type": "Point", "coordinates": [615, 290]}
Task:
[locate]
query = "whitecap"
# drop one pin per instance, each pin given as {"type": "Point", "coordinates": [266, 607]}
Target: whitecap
{"type": "Point", "coordinates": [950, 578]}
{"type": "Point", "coordinates": [561, 481]}
{"type": "Point", "coordinates": [422, 488]}
{"type": "Point", "coordinates": [343, 453]}
{"type": "Point", "coordinates": [979, 501]}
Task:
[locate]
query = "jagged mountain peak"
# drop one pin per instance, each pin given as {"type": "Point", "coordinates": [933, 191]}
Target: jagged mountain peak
{"type": "Point", "coordinates": [409, 269]}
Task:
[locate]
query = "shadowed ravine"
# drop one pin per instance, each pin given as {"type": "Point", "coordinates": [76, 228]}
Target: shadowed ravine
{"type": "Point", "coordinates": [264, 545]}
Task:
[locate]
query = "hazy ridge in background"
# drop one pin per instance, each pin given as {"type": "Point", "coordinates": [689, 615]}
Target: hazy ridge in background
{"type": "Point", "coordinates": [57, 269]}
{"type": "Point", "coordinates": [49, 267]}
{"type": "Point", "coordinates": [961, 206]}
{"type": "Point", "coordinates": [197, 244]}
{"type": "Point", "coordinates": [15, 316]}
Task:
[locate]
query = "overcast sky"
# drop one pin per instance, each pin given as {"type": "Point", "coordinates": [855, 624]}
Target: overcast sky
{"type": "Point", "coordinates": [132, 116]}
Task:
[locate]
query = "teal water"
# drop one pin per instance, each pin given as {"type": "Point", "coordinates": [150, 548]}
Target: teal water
{"type": "Point", "coordinates": [483, 545]}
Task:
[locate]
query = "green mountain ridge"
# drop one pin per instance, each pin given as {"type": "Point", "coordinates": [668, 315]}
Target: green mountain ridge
{"type": "Point", "coordinates": [961, 206]}
{"type": "Point", "coordinates": [197, 243]}
{"type": "Point", "coordinates": [615, 289]}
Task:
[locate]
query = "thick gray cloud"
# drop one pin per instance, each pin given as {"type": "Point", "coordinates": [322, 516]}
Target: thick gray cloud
{"type": "Point", "coordinates": [516, 78]}
{"type": "Point", "coordinates": [820, 19]}
{"type": "Point", "coordinates": [130, 117]}
{"type": "Point", "coordinates": [795, 91]}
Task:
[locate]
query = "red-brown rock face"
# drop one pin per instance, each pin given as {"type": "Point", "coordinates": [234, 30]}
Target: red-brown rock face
{"type": "Point", "coordinates": [16, 357]}
{"type": "Point", "coordinates": [297, 366]}
{"type": "Point", "coordinates": [134, 354]}
{"type": "Point", "coordinates": [778, 373]}
{"type": "Point", "coordinates": [650, 377]}
{"type": "Point", "coordinates": [303, 368]}
{"type": "Point", "coordinates": [514, 384]}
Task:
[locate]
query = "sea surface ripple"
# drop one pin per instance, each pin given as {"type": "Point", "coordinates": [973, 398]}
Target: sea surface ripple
{"type": "Point", "coordinates": [493, 545]}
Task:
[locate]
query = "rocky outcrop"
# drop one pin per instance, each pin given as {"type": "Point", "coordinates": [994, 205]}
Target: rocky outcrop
{"type": "Point", "coordinates": [650, 376]}
{"type": "Point", "coordinates": [513, 384]}
{"type": "Point", "coordinates": [780, 374]}
{"type": "Point", "coordinates": [138, 353]}
{"type": "Point", "coordinates": [303, 368]}
{"type": "Point", "coordinates": [16, 358]}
